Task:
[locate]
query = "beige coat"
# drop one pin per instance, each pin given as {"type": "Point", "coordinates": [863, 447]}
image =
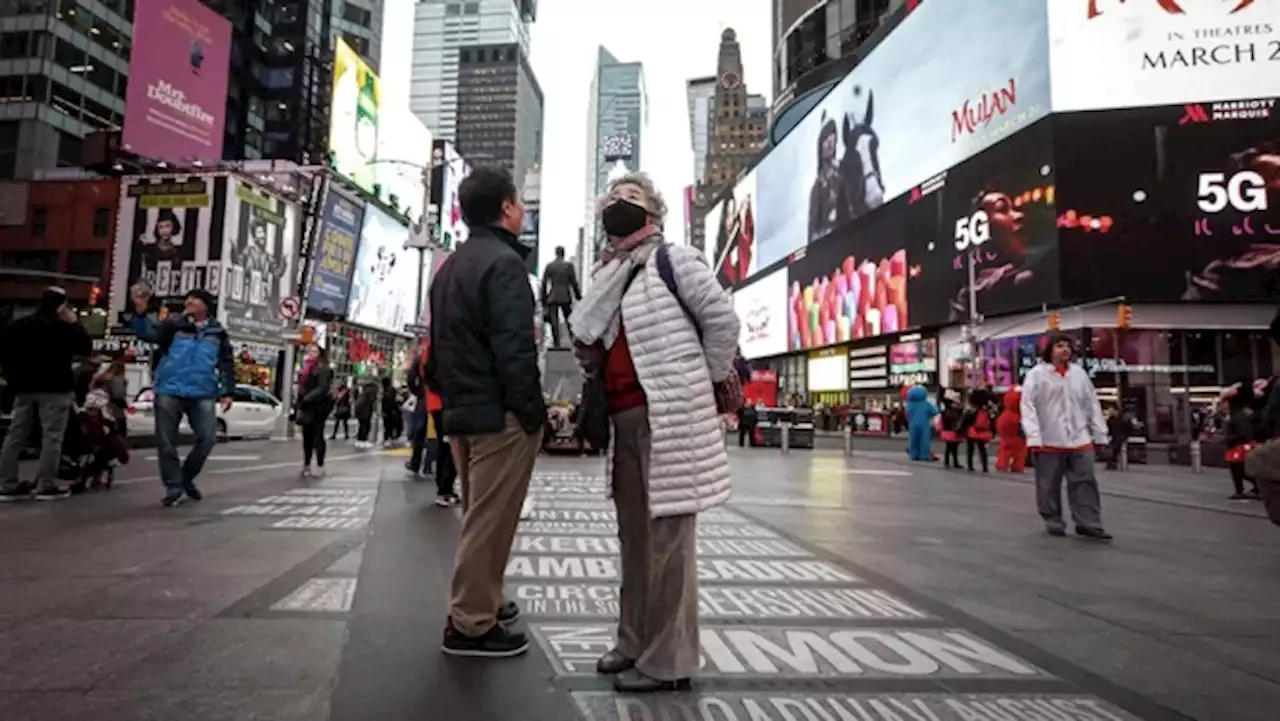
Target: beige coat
{"type": "Point", "coordinates": [688, 465]}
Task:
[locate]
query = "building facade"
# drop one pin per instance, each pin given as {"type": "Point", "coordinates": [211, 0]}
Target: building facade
{"type": "Point", "coordinates": [76, 52]}
{"type": "Point", "coordinates": [737, 129]}
{"type": "Point", "coordinates": [499, 109]}
{"type": "Point", "coordinates": [441, 28]}
{"type": "Point", "coordinates": [617, 118]}
{"type": "Point", "coordinates": [700, 93]}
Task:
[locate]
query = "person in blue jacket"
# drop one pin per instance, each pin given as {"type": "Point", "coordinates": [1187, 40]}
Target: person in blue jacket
{"type": "Point", "coordinates": [195, 369]}
{"type": "Point", "coordinates": [920, 413]}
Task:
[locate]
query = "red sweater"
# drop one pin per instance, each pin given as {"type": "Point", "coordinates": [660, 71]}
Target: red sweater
{"type": "Point", "coordinates": [621, 384]}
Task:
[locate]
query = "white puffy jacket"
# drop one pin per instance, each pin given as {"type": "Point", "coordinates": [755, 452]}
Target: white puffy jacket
{"type": "Point", "coordinates": [688, 464]}
{"type": "Point", "coordinates": [1061, 411]}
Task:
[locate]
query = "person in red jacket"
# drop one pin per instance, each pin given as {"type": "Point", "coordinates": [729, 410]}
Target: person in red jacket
{"type": "Point", "coordinates": [1012, 454]}
{"type": "Point", "coordinates": [427, 419]}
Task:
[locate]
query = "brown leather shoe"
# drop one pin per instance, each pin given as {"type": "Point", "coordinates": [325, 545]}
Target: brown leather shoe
{"type": "Point", "coordinates": [632, 681]}
{"type": "Point", "coordinates": [612, 663]}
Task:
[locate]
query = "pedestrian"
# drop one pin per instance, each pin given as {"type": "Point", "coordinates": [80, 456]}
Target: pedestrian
{"type": "Point", "coordinates": [196, 369]}
{"type": "Point", "coordinates": [1238, 437]}
{"type": "Point", "coordinates": [116, 386]}
{"type": "Point", "coordinates": [342, 413]}
{"type": "Point", "coordinates": [949, 429]}
{"type": "Point", "coordinates": [366, 401]}
{"type": "Point", "coordinates": [1063, 422]}
{"type": "Point", "coordinates": [559, 292]}
{"type": "Point", "coordinates": [919, 413]}
{"type": "Point", "coordinates": [37, 354]}
{"type": "Point", "coordinates": [484, 364]}
{"type": "Point", "coordinates": [1118, 430]}
{"type": "Point", "coordinates": [662, 331]}
{"type": "Point", "coordinates": [975, 428]}
{"type": "Point", "coordinates": [1011, 455]}
{"type": "Point", "coordinates": [390, 414]}
{"type": "Point", "coordinates": [747, 421]}
{"type": "Point", "coordinates": [315, 399]}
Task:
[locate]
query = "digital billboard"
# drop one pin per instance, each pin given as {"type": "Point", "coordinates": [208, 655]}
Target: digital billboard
{"type": "Point", "coordinates": [258, 263]}
{"type": "Point", "coordinates": [762, 315]}
{"type": "Point", "coordinates": [1190, 195]}
{"type": "Point", "coordinates": [354, 116]}
{"type": "Point", "coordinates": [169, 234]}
{"type": "Point", "coordinates": [451, 169]}
{"type": "Point", "coordinates": [385, 285]}
{"type": "Point", "coordinates": [1118, 54]}
{"type": "Point", "coordinates": [950, 81]}
{"type": "Point", "coordinates": [404, 150]}
{"type": "Point", "coordinates": [735, 234]}
{"type": "Point", "coordinates": [341, 222]}
{"type": "Point", "coordinates": [175, 105]}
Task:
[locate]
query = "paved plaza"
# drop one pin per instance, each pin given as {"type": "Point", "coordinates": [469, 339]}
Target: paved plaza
{"type": "Point", "coordinates": [833, 588]}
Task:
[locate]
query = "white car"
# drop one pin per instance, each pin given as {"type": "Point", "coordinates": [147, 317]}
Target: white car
{"type": "Point", "coordinates": [254, 413]}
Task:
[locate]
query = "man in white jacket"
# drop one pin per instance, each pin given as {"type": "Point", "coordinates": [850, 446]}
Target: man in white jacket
{"type": "Point", "coordinates": [1063, 422]}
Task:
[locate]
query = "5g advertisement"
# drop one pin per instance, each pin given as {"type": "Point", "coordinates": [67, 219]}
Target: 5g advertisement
{"type": "Point", "coordinates": [1190, 195]}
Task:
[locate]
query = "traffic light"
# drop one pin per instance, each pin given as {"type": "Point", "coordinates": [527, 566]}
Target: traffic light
{"type": "Point", "coordinates": [1055, 321]}
{"type": "Point", "coordinates": [1124, 315]}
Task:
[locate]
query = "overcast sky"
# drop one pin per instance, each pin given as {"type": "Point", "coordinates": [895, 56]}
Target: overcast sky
{"type": "Point", "coordinates": [675, 40]}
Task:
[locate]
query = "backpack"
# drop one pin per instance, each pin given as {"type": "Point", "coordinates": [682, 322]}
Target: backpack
{"type": "Point", "coordinates": [728, 392]}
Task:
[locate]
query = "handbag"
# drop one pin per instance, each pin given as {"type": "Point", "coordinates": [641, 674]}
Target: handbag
{"type": "Point", "coordinates": [593, 413]}
{"type": "Point", "coordinates": [728, 392]}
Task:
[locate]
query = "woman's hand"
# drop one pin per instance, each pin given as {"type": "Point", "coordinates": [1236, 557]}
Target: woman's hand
{"type": "Point", "coordinates": [590, 357]}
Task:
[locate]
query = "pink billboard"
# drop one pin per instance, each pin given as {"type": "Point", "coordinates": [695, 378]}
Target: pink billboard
{"type": "Point", "coordinates": [175, 109]}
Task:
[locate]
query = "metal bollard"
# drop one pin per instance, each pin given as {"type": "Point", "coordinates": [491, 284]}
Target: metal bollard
{"type": "Point", "coordinates": [1196, 466]}
{"type": "Point", "coordinates": [1124, 455]}
{"type": "Point", "coordinates": [848, 439]}
{"type": "Point", "coordinates": [786, 436]}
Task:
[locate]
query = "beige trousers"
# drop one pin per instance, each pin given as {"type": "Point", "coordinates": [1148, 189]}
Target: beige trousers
{"type": "Point", "coordinates": [658, 619]}
{"type": "Point", "coordinates": [494, 471]}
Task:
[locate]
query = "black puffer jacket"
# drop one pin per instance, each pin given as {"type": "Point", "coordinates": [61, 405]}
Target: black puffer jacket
{"type": "Point", "coordinates": [484, 361]}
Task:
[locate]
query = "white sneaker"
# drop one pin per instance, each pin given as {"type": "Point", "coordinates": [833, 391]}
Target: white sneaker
{"type": "Point", "coordinates": [526, 509]}
{"type": "Point", "coordinates": [318, 473]}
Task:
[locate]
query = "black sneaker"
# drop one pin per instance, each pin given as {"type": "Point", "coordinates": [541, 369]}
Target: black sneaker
{"type": "Point", "coordinates": [192, 492]}
{"type": "Point", "coordinates": [173, 499]}
{"type": "Point", "coordinates": [497, 643]}
{"type": "Point", "coordinates": [20, 492]}
{"type": "Point", "coordinates": [1058, 531]}
{"type": "Point", "coordinates": [1093, 534]}
{"type": "Point", "coordinates": [52, 493]}
{"type": "Point", "coordinates": [508, 613]}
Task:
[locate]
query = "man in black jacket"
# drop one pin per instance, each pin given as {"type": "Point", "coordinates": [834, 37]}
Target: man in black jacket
{"type": "Point", "coordinates": [37, 354]}
{"type": "Point", "coordinates": [484, 365]}
{"type": "Point", "coordinates": [559, 291]}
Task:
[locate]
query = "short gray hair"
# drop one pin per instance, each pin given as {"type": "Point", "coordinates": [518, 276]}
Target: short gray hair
{"type": "Point", "coordinates": [657, 205]}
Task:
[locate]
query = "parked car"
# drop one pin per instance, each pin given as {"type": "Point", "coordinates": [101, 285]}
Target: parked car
{"type": "Point", "coordinates": [254, 413]}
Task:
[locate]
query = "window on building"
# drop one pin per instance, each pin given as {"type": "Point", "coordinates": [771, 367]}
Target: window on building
{"type": "Point", "coordinates": [39, 221]}
{"type": "Point", "coordinates": [87, 263]}
{"type": "Point", "coordinates": [43, 261]}
{"type": "Point", "coordinates": [471, 8]}
{"type": "Point", "coordinates": [101, 221]}
{"type": "Point", "coordinates": [453, 9]}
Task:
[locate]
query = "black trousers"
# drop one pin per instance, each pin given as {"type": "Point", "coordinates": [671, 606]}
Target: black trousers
{"type": "Point", "coordinates": [981, 446]}
{"type": "Point", "coordinates": [446, 471]}
{"type": "Point", "coordinates": [744, 435]}
{"type": "Point", "coordinates": [313, 443]}
{"type": "Point", "coordinates": [554, 312]}
{"type": "Point", "coordinates": [363, 426]}
{"type": "Point", "coordinates": [1238, 477]}
{"type": "Point", "coordinates": [952, 455]}
{"type": "Point", "coordinates": [346, 428]}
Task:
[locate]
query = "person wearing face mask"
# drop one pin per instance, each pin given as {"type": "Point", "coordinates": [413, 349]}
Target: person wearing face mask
{"type": "Point", "coordinates": [484, 365]}
{"type": "Point", "coordinates": [659, 328]}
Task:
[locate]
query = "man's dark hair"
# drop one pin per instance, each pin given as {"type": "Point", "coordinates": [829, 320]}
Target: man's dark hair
{"type": "Point", "coordinates": [1046, 354]}
{"type": "Point", "coordinates": [52, 299]}
{"type": "Point", "coordinates": [559, 251]}
{"type": "Point", "coordinates": [205, 297]}
{"type": "Point", "coordinates": [482, 194]}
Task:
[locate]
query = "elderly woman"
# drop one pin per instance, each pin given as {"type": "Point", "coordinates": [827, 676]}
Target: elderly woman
{"type": "Point", "coordinates": [660, 343]}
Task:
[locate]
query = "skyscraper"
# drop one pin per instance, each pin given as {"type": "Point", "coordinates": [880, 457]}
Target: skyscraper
{"type": "Point", "coordinates": [617, 116]}
{"type": "Point", "coordinates": [440, 29]}
{"type": "Point", "coordinates": [499, 109]}
{"type": "Point", "coordinates": [701, 94]}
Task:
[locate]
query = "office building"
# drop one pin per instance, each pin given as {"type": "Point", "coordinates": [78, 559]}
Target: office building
{"type": "Point", "coordinates": [617, 117]}
{"type": "Point", "coordinates": [530, 233]}
{"type": "Point", "coordinates": [737, 128]}
{"type": "Point", "coordinates": [700, 93]}
{"type": "Point", "coordinates": [815, 43]}
{"type": "Point", "coordinates": [441, 28]}
{"type": "Point", "coordinates": [499, 109]}
{"type": "Point", "coordinates": [73, 86]}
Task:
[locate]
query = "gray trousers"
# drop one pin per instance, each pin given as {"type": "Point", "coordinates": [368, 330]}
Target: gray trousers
{"type": "Point", "coordinates": [53, 410]}
{"type": "Point", "coordinates": [658, 618]}
{"type": "Point", "coordinates": [1082, 488]}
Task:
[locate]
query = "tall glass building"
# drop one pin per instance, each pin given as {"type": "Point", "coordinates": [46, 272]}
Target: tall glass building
{"type": "Point", "coordinates": [617, 117]}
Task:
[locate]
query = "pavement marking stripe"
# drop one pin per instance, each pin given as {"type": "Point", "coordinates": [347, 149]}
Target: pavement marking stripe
{"type": "Point", "coordinates": [875, 472]}
{"type": "Point", "coordinates": [794, 652]}
{"type": "Point", "coordinates": [710, 570]}
{"type": "Point", "coordinates": [608, 528]}
{"type": "Point", "coordinates": [314, 523]}
{"type": "Point", "coordinates": [262, 467]}
{"type": "Point", "coordinates": [791, 502]}
{"type": "Point", "coordinates": [289, 509]}
{"type": "Point", "coordinates": [718, 515]}
{"type": "Point", "coordinates": [782, 706]}
{"type": "Point", "coordinates": [220, 457]}
{"type": "Point", "coordinates": [552, 600]}
{"type": "Point", "coordinates": [320, 595]}
{"type": "Point", "coordinates": [711, 548]}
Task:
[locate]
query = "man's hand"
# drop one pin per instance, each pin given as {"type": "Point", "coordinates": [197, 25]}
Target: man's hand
{"type": "Point", "coordinates": [225, 402]}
